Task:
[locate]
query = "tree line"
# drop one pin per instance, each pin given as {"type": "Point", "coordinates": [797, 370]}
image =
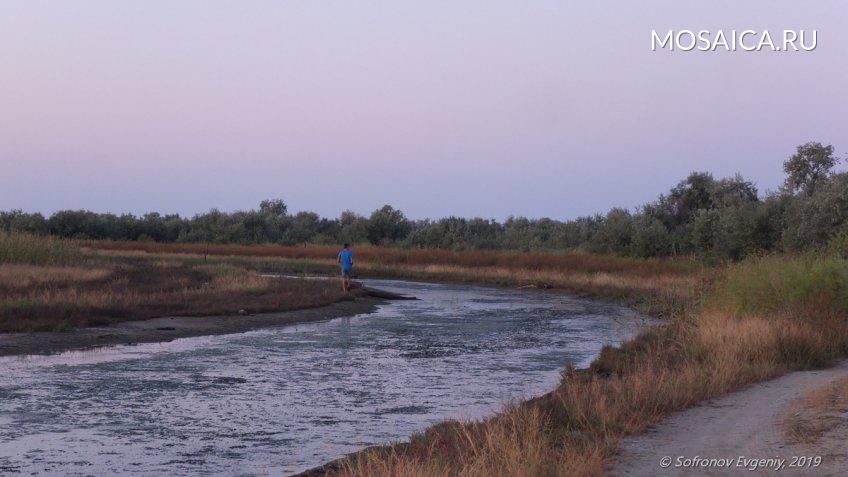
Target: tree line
{"type": "Point", "coordinates": [724, 218]}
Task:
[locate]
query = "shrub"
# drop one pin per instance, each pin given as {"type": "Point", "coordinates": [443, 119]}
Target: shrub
{"type": "Point", "coordinates": [795, 285]}
{"type": "Point", "coordinates": [838, 244]}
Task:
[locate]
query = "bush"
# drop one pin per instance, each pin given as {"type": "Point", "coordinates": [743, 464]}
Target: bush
{"type": "Point", "coordinates": [811, 220]}
{"type": "Point", "coordinates": [838, 244]}
{"type": "Point", "coordinates": [796, 285]}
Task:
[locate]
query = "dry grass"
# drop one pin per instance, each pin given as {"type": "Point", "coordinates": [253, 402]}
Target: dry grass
{"type": "Point", "coordinates": [50, 284]}
{"type": "Point", "coordinates": [820, 412]}
{"type": "Point", "coordinates": [19, 277]}
{"type": "Point", "coordinates": [392, 256]}
{"type": "Point", "coordinates": [660, 294]}
{"type": "Point", "coordinates": [657, 286]}
{"type": "Point", "coordinates": [147, 290]}
{"type": "Point", "coordinates": [702, 353]}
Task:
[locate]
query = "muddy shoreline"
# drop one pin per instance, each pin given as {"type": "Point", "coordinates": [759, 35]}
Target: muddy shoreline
{"type": "Point", "coordinates": [171, 328]}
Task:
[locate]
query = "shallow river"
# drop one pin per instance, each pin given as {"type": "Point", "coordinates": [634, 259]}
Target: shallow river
{"type": "Point", "coordinates": [286, 399]}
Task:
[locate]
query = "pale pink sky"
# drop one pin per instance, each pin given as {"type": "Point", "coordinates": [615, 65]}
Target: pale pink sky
{"type": "Point", "coordinates": [473, 108]}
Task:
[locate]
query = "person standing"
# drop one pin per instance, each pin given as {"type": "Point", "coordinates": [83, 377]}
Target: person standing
{"type": "Point", "coordinates": [345, 258]}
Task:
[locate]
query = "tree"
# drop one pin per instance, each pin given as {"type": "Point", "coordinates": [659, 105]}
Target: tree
{"type": "Point", "coordinates": [733, 191]}
{"type": "Point", "coordinates": [353, 227]}
{"type": "Point", "coordinates": [811, 163]}
{"type": "Point", "coordinates": [650, 238]}
{"type": "Point", "coordinates": [273, 207]}
{"type": "Point", "coordinates": [387, 224]}
{"type": "Point", "coordinates": [811, 220]}
{"type": "Point", "coordinates": [304, 226]}
{"type": "Point", "coordinates": [686, 198]}
{"type": "Point", "coordinates": [616, 232]}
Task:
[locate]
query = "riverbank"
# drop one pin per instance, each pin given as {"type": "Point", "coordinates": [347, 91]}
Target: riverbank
{"type": "Point", "coordinates": [658, 287]}
{"type": "Point", "coordinates": [170, 328]}
{"type": "Point", "coordinates": [56, 295]}
{"type": "Point", "coordinates": [54, 285]}
{"type": "Point", "coordinates": [726, 328]}
{"type": "Point", "coordinates": [758, 320]}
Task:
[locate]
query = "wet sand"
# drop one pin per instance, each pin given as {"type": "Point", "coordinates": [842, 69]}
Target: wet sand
{"type": "Point", "coordinates": [171, 328]}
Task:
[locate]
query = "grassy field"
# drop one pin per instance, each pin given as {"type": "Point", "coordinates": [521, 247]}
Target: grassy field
{"type": "Point", "coordinates": [49, 284]}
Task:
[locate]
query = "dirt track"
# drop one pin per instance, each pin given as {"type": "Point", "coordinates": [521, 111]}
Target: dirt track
{"type": "Point", "coordinates": [746, 423]}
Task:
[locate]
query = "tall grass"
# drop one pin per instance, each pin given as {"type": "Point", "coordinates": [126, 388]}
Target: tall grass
{"type": "Point", "coordinates": [22, 248]}
{"type": "Point", "coordinates": [763, 318]}
{"type": "Point", "coordinates": [779, 284]}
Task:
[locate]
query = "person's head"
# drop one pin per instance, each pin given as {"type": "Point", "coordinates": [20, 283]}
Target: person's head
{"type": "Point", "coordinates": [346, 245]}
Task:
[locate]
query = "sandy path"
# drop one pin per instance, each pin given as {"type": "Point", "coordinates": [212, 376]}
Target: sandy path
{"type": "Point", "coordinates": [745, 423]}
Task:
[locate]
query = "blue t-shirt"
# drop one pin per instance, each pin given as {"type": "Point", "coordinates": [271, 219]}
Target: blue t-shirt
{"type": "Point", "coordinates": [346, 259]}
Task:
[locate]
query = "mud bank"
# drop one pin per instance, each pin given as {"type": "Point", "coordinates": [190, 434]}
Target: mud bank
{"type": "Point", "coordinates": [170, 328]}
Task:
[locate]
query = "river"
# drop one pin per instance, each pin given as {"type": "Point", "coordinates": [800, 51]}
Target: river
{"type": "Point", "coordinates": [285, 399]}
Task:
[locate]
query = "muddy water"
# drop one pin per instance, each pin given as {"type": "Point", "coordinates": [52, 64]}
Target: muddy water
{"type": "Point", "coordinates": [286, 399]}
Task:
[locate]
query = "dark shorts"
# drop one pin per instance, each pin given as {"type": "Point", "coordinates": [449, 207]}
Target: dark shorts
{"type": "Point", "coordinates": [346, 272]}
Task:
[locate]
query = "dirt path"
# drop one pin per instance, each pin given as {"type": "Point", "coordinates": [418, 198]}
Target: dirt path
{"type": "Point", "coordinates": [170, 328]}
{"type": "Point", "coordinates": [746, 423]}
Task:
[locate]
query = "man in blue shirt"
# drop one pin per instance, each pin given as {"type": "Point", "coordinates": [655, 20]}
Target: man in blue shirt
{"type": "Point", "coordinates": [345, 258]}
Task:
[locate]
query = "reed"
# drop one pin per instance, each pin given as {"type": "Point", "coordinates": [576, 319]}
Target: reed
{"type": "Point", "coordinates": [31, 249]}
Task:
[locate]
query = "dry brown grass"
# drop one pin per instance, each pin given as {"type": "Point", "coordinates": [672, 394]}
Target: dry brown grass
{"type": "Point", "coordinates": [821, 411]}
{"type": "Point", "coordinates": [658, 286]}
{"type": "Point", "coordinates": [28, 276]}
{"type": "Point", "coordinates": [48, 298]}
{"type": "Point", "coordinates": [702, 353]}
{"type": "Point", "coordinates": [388, 255]}
{"type": "Point", "coordinates": [659, 294]}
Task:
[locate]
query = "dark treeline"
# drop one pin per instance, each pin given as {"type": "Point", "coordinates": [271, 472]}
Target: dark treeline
{"type": "Point", "coordinates": [723, 218]}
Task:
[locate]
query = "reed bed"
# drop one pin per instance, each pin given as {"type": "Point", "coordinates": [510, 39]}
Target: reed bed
{"type": "Point", "coordinates": [31, 249]}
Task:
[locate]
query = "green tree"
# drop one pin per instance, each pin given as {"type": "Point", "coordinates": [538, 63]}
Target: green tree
{"type": "Point", "coordinates": [811, 163]}
{"type": "Point", "coordinates": [387, 224]}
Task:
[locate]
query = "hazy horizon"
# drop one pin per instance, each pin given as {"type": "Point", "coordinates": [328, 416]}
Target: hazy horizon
{"type": "Point", "coordinates": [472, 108]}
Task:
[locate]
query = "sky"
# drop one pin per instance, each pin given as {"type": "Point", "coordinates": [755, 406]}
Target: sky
{"type": "Point", "coordinates": [483, 108]}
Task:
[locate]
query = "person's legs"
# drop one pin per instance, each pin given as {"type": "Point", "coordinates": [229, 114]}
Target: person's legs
{"type": "Point", "coordinates": [345, 280]}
